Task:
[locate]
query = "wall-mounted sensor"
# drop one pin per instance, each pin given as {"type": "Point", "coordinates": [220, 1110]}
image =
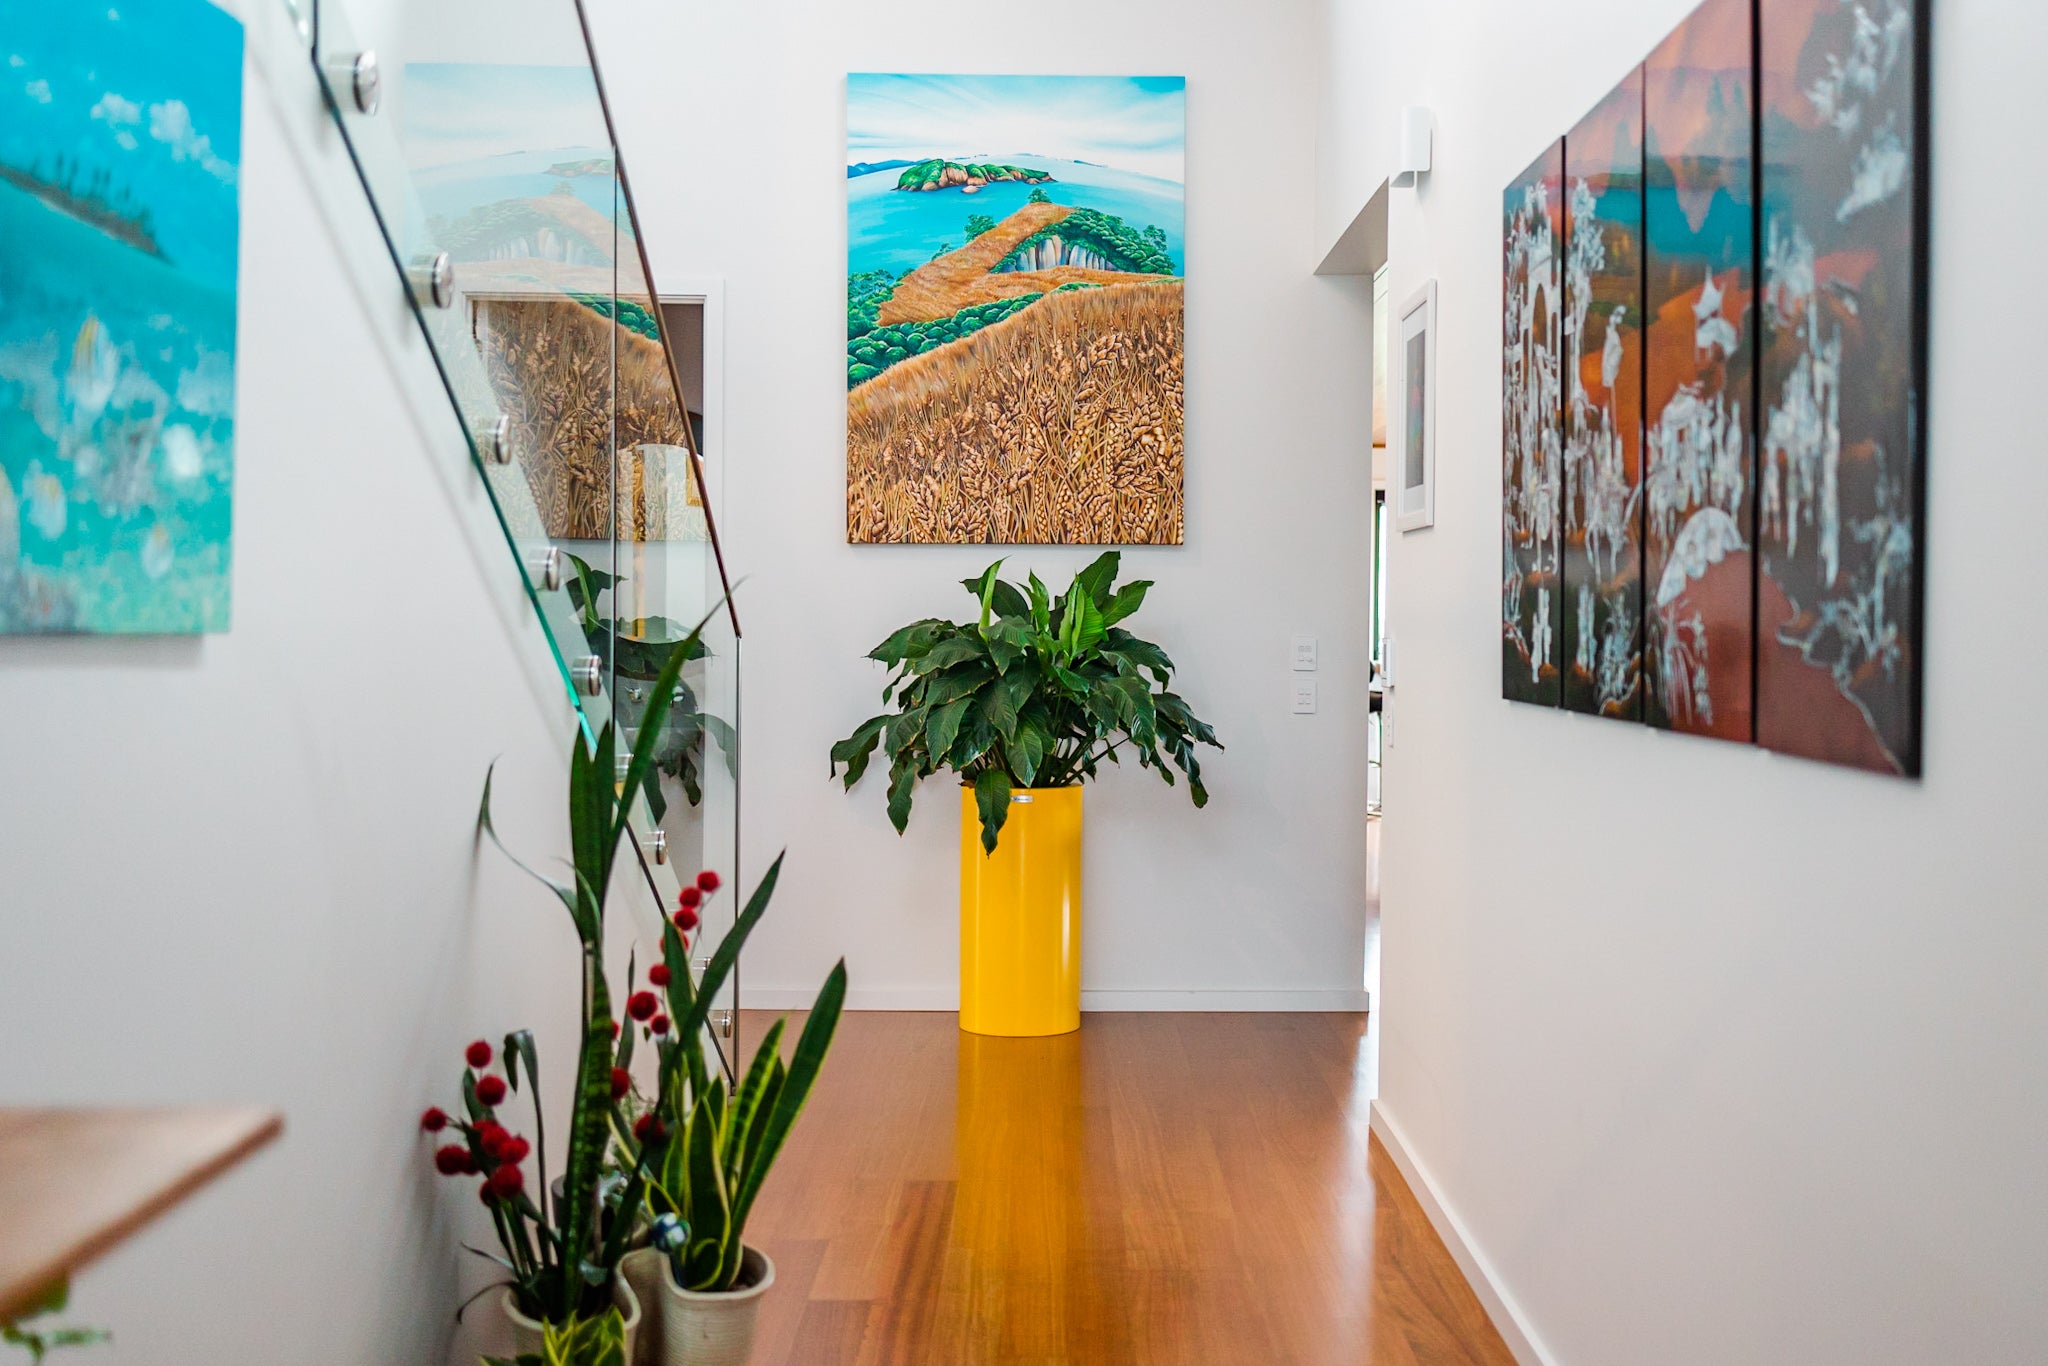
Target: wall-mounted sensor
{"type": "Point", "coordinates": [1411, 157]}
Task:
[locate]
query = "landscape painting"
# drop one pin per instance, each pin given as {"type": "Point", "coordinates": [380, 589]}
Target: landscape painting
{"type": "Point", "coordinates": [1699, 485]}
{"type": "Point", "coordinates": [120, 144]}
{"type": "Point", "coordinates": [1014, 311]}
{"type": "Point", "coordinates": [1532, 450]}
{"type": "Point", "coordinates": [1838, 661]}
{"type": "Point", "coordinates": [1603, 409]}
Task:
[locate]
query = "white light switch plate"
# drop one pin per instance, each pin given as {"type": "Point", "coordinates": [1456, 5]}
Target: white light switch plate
{"type": "Point", "coordinates": [1304, 652]}
{"type": "Point", "coordinates": [1304, 696]}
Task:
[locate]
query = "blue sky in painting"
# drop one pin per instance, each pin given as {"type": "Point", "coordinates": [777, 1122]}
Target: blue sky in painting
{"type": "Point", "coordinates": [464, 111]}
{"type": "Point", "coordinates": [1134, 124]}
{"type": "Point", "coordinates": [147, 92]}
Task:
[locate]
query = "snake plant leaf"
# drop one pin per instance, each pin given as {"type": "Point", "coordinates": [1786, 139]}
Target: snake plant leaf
{"type": "Point", "coordinates": [757, 1128]}
{"type": "Point", "coordinates": [728, 952]}
{"type": "Point", "coordinates": [747, 1103]}
{"type": "Point", "coordinates": [804, 1064]}
{"type": "Point", "coordinates": [483, 820]}
{"type": "Point", "coordinates": [992, 798]}
{"type": "Point", "coordinates": [710, 1201]}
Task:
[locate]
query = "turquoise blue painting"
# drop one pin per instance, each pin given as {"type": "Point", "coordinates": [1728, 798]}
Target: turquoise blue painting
{"type": "Point", "coordinates": [120, 148]}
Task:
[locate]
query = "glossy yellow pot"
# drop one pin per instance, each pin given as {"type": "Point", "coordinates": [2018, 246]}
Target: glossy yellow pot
{"type": "Point", "coordinates": [1020, 916]}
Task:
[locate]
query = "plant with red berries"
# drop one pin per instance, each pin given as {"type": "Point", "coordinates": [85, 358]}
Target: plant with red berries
{"type": "Point", "coordinates": [563, 1252]}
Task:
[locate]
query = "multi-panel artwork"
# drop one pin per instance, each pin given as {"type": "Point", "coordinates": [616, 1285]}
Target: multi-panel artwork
{"type": "Point", "coordinates": [1734, 548]}
{"type": "Point", "coordinates": [1532, 483]}
{"type": "Point", "coordinates": [1603, 407]}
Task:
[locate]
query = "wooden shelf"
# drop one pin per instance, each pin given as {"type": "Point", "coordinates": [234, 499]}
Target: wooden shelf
{"type": "Point", "coordinates": [74, 1184]}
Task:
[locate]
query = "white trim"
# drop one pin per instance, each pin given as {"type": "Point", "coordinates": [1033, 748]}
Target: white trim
{"type": "Point", "coordinates": [1143, 999]}
{"type": "Point", "coordinates": [1486, 1283]}
{"type": "Point", "coordinates": [1412, 514]}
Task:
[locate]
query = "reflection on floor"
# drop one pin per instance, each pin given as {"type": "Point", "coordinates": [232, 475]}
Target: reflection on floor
{"type": "Point", "coordinates": [1196, 1189]}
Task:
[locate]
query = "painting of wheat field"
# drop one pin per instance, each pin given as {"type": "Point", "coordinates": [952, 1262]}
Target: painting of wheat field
{"type": "Point", "coordinates": [1014, 309]}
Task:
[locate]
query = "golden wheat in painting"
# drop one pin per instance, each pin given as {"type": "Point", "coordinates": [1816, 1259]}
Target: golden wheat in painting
{"type": "Point", "coordinates": [1014, 309]}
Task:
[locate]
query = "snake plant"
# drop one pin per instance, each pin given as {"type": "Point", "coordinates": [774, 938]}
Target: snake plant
{"type": "Point", "coordinates": [599, 1341]}
{"type": "Point", "coordinates": [1037, 693]}
{"type": "Point", "coordinates": [722, 1143]}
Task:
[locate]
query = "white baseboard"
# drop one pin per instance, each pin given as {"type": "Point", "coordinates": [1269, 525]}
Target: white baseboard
{"type": "Point", "coordinates": [1486, 1284]}
{"type": "Point", "coordinates": [946, 998]}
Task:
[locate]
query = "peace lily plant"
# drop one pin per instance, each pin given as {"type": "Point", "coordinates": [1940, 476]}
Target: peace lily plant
{"type": "Point", "coordinates": [1036, 693]}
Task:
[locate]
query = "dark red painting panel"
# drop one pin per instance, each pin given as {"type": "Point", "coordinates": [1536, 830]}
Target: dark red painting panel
{"type": "Point", "coordinates": [1699, 458]}
{"type": "Point", "coordinates": [1602, 636]}
{"type": "Point", "coordinates": [1532, 437]}
{"type": "Point", "coordinates": [1840, 502]}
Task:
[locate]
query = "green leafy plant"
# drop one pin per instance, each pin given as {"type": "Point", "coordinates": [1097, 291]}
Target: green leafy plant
{"type": "Point", "coordinates": [599, 1341]}
{"type": "Point", "coordinates": [563, 1252]}
{"type": "Point", "coordinates": [1037, 693]}
{"type": "Point", "coordinates": [40, 1340]}
{"type": "Point", "coordinates": [724, 1140]}
{"type": "Point", "coordinates": [636, 659]}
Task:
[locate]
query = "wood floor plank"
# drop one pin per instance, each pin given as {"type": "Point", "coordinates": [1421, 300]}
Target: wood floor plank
{"type": "Point", "coordinates": [1178, 1190]}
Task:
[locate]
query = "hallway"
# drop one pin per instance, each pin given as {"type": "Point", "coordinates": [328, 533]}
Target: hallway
{"type": "Point", "coordinates": [1157, 1188]}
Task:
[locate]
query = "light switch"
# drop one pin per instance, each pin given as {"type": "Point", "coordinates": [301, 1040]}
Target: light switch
{"type": "Point", "coordinates": [1304, 696]}
{"type": "Point", "coordinates": [1304, 652]}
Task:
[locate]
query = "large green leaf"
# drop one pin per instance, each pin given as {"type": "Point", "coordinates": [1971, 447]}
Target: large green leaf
{"type": "Point", "coordinates": [1127, 600]}
{"type": "Point", "coordinates": [992, 799]}
{"type": "Point", "coordinates": [1027, 751]}
{"type": "Point", "coordinates": [855, 750]}
{"type": "Point", "coordinates": [1041, 606]}
{"type": "Point", "coordinates": [1009, 641]}
{"type": "Point", "coordinates": [910, 642]}
{"type": "Point", "coordinates": [1094, 581]}
{"type": "Point", "coordinates": [1001, 701]}
{"type": "Point", "coordinates": [902, 779]}
{"type": "Point", "coordinates": [953, 650]}
{"type": "Point", "coordinates": [942, 727]}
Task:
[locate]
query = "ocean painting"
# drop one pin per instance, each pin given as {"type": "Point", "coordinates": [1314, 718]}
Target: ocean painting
{"type": "Point", "coordinates": [1014, 310]}
{"type": "Point", "coordinates": [120, 143]}
{"type": "Point", "coordinates": [1842, 459]}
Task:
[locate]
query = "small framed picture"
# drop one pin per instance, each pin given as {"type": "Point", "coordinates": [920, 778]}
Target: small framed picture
{"type": "Point", "coordinates": [1415, 434]}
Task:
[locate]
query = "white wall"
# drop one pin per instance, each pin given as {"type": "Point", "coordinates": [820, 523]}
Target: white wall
{"type": "Point", "coordinates": [732, 118]}
{"type": "Point", "coordinates": [240, 868]}
{"type": "Point", "coordinates": [1719, 1057]}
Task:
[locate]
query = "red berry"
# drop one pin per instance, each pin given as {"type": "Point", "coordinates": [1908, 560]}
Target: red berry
{"type": "Point", "coordinates": [641, 1005]}
{"type": "Point", "coordinates": [515, 1151]}
{"type": "Point", "coordinates": [434, 1120]}
{"type": "Point", "coordinates": [453, 1160]}
{"type": "Point", "coordinates": [506, 1182]}
{"type": "Point", "coordinates": [648, 1129]}
{"type": "Point", "coordinates": [479, 1054]}
{"type": "Point", "coordinates": [708, 881]}
{"type": "Point", "coordinates": [686, 920]}
{"type": "Point", "coordinates": [499, 1145]}
{"type": "Point", "coordinates": [658, 974]}
{"type": "Point", "coordinates": [490, 1090]}
{"type": "Point", "coordinates": [622, 1082]}
{"type": "Point", "coordinates": [690, 897]}
{"type": "Point", "coordinates": [659, 1024]}
{"type": "Point", "coordinates": [490, 1134]}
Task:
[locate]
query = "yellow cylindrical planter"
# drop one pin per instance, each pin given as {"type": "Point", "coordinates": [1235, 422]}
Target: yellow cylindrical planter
{"type": "Point", "coordinates": [1020, 916]}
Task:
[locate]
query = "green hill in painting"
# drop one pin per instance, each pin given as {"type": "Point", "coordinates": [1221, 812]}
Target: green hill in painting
{"type": "Point", "coordinates": [937, 173]}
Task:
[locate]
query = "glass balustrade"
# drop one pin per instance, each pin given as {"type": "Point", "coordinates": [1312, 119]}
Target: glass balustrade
{"type": "Point", "coordinates": [480, 132]}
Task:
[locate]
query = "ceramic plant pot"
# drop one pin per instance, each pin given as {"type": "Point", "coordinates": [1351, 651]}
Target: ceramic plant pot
{"type": "Point", "coordinates": [526, 1332]}
{"type": "Point", "coordinates": [641, 1269]}
{"type": "Point", "coordinates": [714, 1328]}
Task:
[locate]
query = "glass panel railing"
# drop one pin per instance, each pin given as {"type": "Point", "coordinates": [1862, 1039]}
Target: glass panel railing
{"type": "Point", "coordinates": [481, 136]}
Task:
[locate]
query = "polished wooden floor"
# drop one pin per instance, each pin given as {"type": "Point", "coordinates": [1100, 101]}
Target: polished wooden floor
{"type": "Point", "coordinates": [1162, 1189]}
